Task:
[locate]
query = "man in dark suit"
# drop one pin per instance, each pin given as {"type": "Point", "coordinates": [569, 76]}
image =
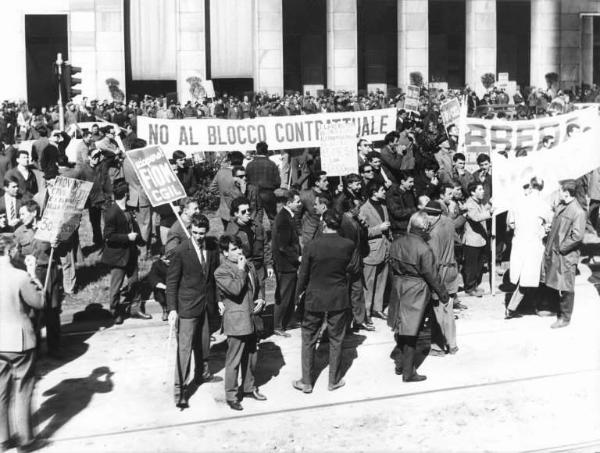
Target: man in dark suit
{"type": "Point", "coordinates": [185, 173]}
{"type": "Point", "coordinates": [326, 264]}
{"type": "Point", "coordinates": [286, 259]}
{"type": "Point", "coordinates": [121, 235]}
{"type": "Point", "coordinates": [10, 202]}
{"type": "Point", "coordinates": [190, 292]}
{"type": "Point", "coordinates": [239, 288]}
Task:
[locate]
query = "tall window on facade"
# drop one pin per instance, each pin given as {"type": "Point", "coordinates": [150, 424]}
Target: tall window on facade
{"type": "Point", "coordinates": [150, 47]}
{"type": "Point", "coordinates": [513, 38]}
{"type": "Point", "coordinates": [304, 43]}
{"type": "Point", "coordinates": [447, 42]}
{"type": "Point", "coordinates": [377, 42]}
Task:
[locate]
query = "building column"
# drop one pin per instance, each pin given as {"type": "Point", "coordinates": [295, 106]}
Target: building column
{"type": "Point", "coordinates": [480, 52]}
{"type": "Point", "coordinates": [191, 45]}
{"type": "Point", "coordinates": [413, 40]}
{"type": "Point", "coordinates": [545, 41]}
{"type": "Point", "coordinates": [342, 45]}
{"type": "Point", "coordinates": [110, 46]}
{"type": "Point", "coordinates": [587, 50]}
{"type": "Point", "coordinates": [268, 46]}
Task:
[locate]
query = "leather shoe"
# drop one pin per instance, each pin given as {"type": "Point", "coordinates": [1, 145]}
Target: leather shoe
{"type": "Point", "coordinates": [559, 323]}
{"type": "Point", "coordinates": [235, 405]}
{"type": "Point", "coordinates": [414, 378]}
{"type": "Point", "coordinates": [165, 316]}
{"type": "Point", "coordinates": [436, 352]}
{"type": "Point", "coordinates": [369, 322]}
{"type": "Point", "coordinates": [459, 306]}
{"type": "Point", "coordinates": [339, 384]}
{"type": "Point", "coordinates": [281, 333]}
{"type": "Point", "coordinates": [361, 326]}
{"type": "Point", "coordinates": [510, 314]}
{"type": "Point", "coordinates": [475, 292]}
{"type": "Point", "coordinates": [182, 404]}
{"type": "Point", "coordinates": [299, 385]}
{"type": "Point", "coordinates": [379, 314]}
{"type": "Point", "coordinates": [139, 315]}
{"type": "Point", "coordinates": [255, 394]}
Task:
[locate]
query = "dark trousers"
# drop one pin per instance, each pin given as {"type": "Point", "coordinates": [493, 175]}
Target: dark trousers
{"type": "Point", "coordinates": [267, 202]}
{"type": "Point", "coordinates": [284, 298]}
{"type": "Point", "coordinates": [336, 329]}
{"type": "Point", "coordinates": [17, 379]}
{"type": "Point", "coordinates": [473, 261]}
{"type": "Point", "coordinates": [410, 352]}
{"type": "Point", "coordinates": [95, 213]}
{"type": "Point", "coordinates": [565, 305]}
{"type": "Point", "coordinates": [50, 315]}
{"type": "Point", "coordinates": [117, 277]}
{"type": "Point", "coordinates": [241, 350]}
{"type": "Point", "coordinates": [357, 298]}
{"type": "Point", "coordinates": [193, 336]}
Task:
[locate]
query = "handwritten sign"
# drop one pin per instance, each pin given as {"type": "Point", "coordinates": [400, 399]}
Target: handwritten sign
{"type": "Point", "coordinates": [62, 215]}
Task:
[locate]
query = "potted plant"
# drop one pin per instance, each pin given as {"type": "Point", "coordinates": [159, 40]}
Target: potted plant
{"type": "Point", "coordinates": [487, 80]}
{"type": "Point", "coordinates": [197, 91]}
{"type": "Point", "coordinates": [416, 78]}
{"type": "Point", "coordinates": [115, 92]}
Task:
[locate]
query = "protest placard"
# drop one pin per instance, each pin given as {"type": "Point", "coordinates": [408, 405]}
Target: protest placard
{"type": "Point", "coordinates": [280, 132]}
{"type": "Point", "coordinates": [450, 112]}
{"type": "Point", "coordinates": [411, 101]}
{"type": "Point", "coordinates": [156, 176]}
{"type": "Point", "coordinates": [338, 149]}
{"type": "Point", "coordinates": [62, 214]}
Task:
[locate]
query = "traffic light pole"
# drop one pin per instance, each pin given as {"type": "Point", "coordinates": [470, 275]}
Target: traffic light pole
{"type": "Point", "coordinates": [61, 108]}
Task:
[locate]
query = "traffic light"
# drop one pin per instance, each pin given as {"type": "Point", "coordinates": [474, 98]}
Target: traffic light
{"type": "Point", "coordinates": [68, 81]}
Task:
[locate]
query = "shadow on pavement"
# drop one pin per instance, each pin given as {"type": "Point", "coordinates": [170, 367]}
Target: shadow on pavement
{"type": "Point", "coordinates": [270, 360]}
{"type": "Point", "coordinates": [349, 352]}
{"type": "Point", "coordinates": [69, 398]}
{"type": "Point", "coordinates": [74, 336]}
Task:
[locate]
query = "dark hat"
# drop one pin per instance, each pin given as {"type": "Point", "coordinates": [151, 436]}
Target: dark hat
{"type": "Point", "coordinates": [569, 184]}
{"type": "Point", "coordinates": [433, 208]}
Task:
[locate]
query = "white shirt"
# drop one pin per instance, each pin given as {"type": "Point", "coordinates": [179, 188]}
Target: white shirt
{"type": "Point", "coordinates": [9, 202]}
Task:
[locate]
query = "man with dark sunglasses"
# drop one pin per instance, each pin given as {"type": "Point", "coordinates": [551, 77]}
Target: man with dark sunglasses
{"type": "Point", "coordinates": [256, 247]}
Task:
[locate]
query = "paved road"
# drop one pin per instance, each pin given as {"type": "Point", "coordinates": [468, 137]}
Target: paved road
{"type": "Point", "coordinates": [515, 385]}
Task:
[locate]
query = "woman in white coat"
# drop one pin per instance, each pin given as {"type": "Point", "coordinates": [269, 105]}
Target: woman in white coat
{"type": "Point", "coordinates": [530, 220]}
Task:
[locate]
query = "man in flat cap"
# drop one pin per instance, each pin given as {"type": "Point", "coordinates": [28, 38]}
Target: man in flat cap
{"type": "Point", "coordinates": [563, 249]}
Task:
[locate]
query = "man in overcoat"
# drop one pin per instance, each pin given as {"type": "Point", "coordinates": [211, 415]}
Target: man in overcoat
{"type": "Point", "coordinates": [239, 288]}
{"type": "Point", "coordinates": [562, 251]}
{"type": "Point", "coordinates": [415, 277]}
{"type": "Point", "coordinates": [326, 264]}
{"type": "Point", "coordinates": [441, 241]}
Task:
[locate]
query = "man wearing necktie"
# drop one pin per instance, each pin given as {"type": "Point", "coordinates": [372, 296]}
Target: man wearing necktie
{"type": "Point", "coordinates": [10, 203]}
{"type": "Point", "coordinates": [190, 292]}
{"type": "Point", "coordinates": [239, 289]}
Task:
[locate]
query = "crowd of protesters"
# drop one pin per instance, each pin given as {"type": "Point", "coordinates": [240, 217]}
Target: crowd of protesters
{"type": "Point", "coordinates": [397, 241]}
